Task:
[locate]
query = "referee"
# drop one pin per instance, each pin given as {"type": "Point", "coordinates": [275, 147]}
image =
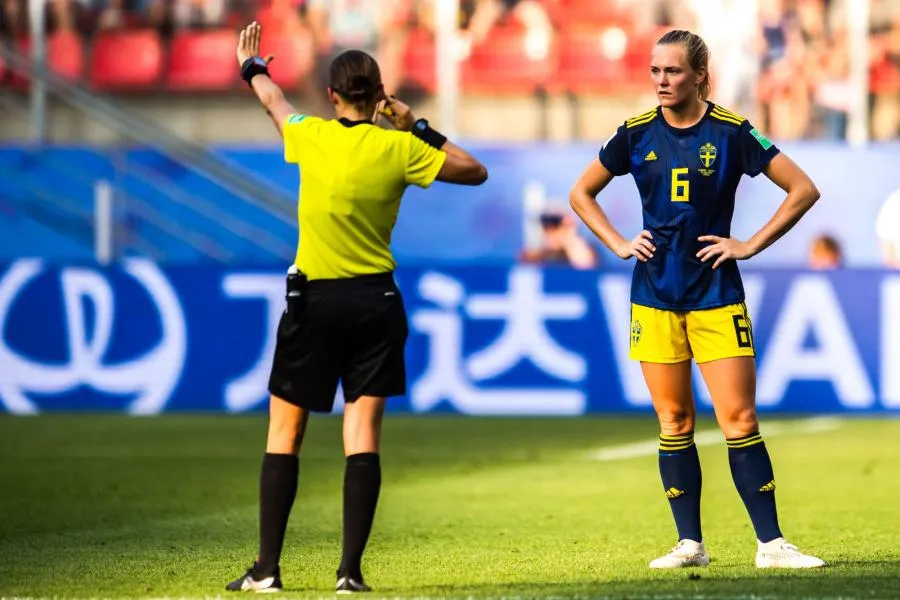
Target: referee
{"type": "Point", "coordinates": [345, 320]}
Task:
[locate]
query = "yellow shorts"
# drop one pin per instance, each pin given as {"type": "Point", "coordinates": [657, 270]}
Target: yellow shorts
{"type": "Point", "coordinates": [670, 336]}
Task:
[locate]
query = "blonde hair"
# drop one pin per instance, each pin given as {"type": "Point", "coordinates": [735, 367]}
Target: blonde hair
{"type": "Point", "coordinates": [697, 54]}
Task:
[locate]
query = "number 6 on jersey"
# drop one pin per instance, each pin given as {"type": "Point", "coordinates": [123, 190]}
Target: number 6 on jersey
{"type": "Point", "coordinates": [680, 187]}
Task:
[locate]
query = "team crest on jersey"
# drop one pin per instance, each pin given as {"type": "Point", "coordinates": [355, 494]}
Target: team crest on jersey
{"type": "Point", "coordinates": [708, 155]}
{"type": "Point", "coordinates": [636, 330]}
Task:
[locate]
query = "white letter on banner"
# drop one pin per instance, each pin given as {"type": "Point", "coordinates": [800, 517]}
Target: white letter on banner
{"type": "Point", "coordinates": [446, 379]}
{"type": "Point", "coordinates": [811, 306]}
{"type": "Point", "coordinates": [250, 389]}
{"type": "Point", "coordinates": [890, 342]}
{"type": "Point", "coordinates": [754, 286]}
{"type": "Point", "coordinates": [615, 292]}
{"type": "Point", "coordinates": [525, 308]}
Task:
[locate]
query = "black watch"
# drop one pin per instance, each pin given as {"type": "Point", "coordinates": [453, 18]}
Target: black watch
{"type": "Point", "coordinates": [422, 130]}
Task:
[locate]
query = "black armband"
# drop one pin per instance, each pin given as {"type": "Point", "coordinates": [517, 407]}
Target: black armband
{"type": "Point", "coordinates": [252, 67]}
{"type": "Point", "coordinates": [422, 130]}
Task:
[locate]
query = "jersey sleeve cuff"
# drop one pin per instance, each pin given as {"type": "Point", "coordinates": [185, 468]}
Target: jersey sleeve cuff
{"type": "Point", "coordinates": [431, 174]}
{"type": "Point", "coordinates": [772, 153]}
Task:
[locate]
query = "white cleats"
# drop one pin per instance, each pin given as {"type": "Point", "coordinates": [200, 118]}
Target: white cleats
{"type": "Point", "coordinates": [780, 554]}
{"type": "Point", "coordinates": [687, 553]}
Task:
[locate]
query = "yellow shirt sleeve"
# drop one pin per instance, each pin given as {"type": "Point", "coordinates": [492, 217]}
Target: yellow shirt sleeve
{"type": "Point", "coordinates": [294, 130]}
{"type": "Point", "coordinates": [424, 162]}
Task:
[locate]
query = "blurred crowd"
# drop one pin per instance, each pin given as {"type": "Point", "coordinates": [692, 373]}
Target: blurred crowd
{"type": "Point", "coordinates": [784, 63]}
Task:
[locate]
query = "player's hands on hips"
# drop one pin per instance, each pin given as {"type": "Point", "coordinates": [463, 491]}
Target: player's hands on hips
{"type": "Point", "coordinates": [641, 247]}
{"type": "Point", "coordinates": [724, 249]}
{"type": "Point", "coordinates": [248, 43]}
{"type": "Point", "coordinates": [397, 112]}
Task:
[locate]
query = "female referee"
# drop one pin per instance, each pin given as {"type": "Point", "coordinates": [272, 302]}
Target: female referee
{"type": "Point", "coordinates": [345, 319]}
{"type": "Point", "coordinates": [687, 156]}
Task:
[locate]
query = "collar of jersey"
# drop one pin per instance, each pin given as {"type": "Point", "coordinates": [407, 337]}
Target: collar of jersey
{"type": "Point", "coordinates": [348, 123]}
{"type": "Point", "coordinates": [684, 130]}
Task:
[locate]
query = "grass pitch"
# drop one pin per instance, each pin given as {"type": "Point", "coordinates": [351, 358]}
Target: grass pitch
{"type": "Point", "coordinates": [111, 506]}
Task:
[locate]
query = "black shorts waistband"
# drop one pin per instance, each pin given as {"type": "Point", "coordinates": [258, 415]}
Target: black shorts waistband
{"type": "Point", "coordinates": [360, 282]}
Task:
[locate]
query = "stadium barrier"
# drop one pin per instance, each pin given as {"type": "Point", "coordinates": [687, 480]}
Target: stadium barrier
{"type": "Point", "coordinates": [144, 339]}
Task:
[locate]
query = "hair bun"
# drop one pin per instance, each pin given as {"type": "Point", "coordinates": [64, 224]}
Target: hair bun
{"type": "Point", "coordinates": [361, 88]}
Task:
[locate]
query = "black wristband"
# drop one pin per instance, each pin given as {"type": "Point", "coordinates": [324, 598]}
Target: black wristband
{"type": "Point", "coordinates": [252, 67]}
{"type": "Point", "coordinates": [422, 130]}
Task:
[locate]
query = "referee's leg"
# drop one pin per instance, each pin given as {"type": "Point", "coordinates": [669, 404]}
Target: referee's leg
{"type": "Point", "coordinates": [362, 484]}
{"type": "Point", "coordinates": [278, 480]}
{"type": "Point", "coordinates": [277, 489]}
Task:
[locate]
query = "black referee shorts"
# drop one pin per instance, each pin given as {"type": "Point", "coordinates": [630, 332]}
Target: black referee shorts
{"type": "Point", "coordinates": [349, 330]}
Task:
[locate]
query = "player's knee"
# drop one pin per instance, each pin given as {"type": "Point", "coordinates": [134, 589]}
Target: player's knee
{"type": "Point", "coordinates": [740, 422]}
{"type": "Point", "coordinates": [285, 434]}
{"type": "Point", "coordinates": [676, 422]}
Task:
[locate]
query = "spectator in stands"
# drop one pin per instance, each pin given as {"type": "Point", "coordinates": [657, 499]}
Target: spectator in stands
{"type": "Point", "coordinates": [531, 14]}
{"type": "Point", "coordinates": [783, 86]}
{"type": "Point", "coordinates": [13, 18]}
{"type": "Point", "coordinates": [833, 89]}
{"type": "Point", "coordinates": [198, 13]}
{"type": "Point", "coordinates": [339, 25]}
{"type": "Point", "coordinates": [561, 244]}
{"type": "Point", "coordinates": [887, 228]}
{"type": "Point", "coordinates": [825, 253]}
{"type": "Point", "coordinates": [885, 68]}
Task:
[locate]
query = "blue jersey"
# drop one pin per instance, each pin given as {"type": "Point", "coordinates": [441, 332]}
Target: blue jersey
{"type": "Point", "coordinates": [687, 179]}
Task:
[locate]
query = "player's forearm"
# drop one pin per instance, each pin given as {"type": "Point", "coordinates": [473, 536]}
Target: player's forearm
{"type": "Point", "coordinates": [454, 150]}
{"type": "Point", "coordinates": [797, 203]}
{"type": "Point", "coordinates": [595, 218]}
{"type": "Point", "coordinates": [266, 90]}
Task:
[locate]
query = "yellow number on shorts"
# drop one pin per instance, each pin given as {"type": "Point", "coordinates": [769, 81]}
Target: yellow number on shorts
{"type": "Point", "coordinates": [742, 330]}
{"type": "Point", "coordinates": [680, 187]}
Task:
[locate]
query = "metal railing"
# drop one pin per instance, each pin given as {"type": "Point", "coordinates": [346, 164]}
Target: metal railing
{"type": "Point", "coordinates": [140, 130]}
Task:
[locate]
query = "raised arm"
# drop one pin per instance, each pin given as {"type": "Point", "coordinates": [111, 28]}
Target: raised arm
{"type": "Point", "coordinates": [254, 70]}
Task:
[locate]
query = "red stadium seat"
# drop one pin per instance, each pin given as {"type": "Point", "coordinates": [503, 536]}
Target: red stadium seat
{"type": "Point", "coordinates": [65, 56]}
{"type": "Point", "coordinates": [201, 61]}
{"type": "Point", "coordinates": [419, 58]}
{"type": "Point", "coordinates": [511, 60]}
{"type": "Point", "coordinates": [588, 63]}
{"type": "Point", "coordinates": [126, 60]}
{"type": "Point", "coordinates": [589, 11]}
{"type": "Point", "coordinates": [294, 54]}
{"type": "Point", "coordinates": [597, 60]}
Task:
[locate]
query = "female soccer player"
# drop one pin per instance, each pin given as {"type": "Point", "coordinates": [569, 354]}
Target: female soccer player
{"type": "Point", "coordinates": [345, 318]}
{"type": "Point", "coordinates": [687, 156]}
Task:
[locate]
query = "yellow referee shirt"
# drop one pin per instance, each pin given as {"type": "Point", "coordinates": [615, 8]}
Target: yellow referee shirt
{"type": "Point", "coordinates": [352, 176]}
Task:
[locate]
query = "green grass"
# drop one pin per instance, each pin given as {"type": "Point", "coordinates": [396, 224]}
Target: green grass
{"type": "Point", "coordinates": [110, 506]}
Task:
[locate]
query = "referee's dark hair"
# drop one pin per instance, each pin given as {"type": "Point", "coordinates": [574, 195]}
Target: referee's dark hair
{"type": "Point", "coordinates": [356, 77]}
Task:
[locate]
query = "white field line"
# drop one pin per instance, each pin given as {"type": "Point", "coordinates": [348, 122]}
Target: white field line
{"type": "Point", "coordinates": [709, 438]}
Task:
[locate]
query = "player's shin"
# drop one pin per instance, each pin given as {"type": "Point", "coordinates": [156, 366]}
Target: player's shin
{"type": "Point", "coordinates": [751, 470]}
{"type": "Point", "coordinates": [679, 467]}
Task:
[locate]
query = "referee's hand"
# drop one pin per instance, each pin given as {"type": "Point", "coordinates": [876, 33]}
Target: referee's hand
{"type": "Point", "coordinates": [396, 112]}
{"type": "Point", "coordinates": [248, 43]}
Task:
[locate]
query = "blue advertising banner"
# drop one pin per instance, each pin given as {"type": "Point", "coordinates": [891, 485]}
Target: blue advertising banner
{"type": "Point", "coordinates": [47, 213]}
{"type": "Point", "coordinates": [500, 340]}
